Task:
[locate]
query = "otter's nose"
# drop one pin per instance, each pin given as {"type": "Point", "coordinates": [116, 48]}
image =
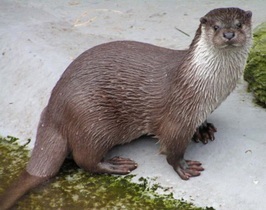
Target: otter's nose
{"type": "Point", "coordinates": [229, 35]}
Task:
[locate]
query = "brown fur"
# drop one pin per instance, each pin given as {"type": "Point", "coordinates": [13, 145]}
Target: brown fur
{"type": "Point", "coordinates": [119, 91]}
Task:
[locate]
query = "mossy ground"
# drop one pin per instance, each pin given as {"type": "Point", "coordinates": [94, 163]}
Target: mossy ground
{"type": "Point", "coordinates": [75, 189]}
{"type": "Point", "coordinates": [255, 71]}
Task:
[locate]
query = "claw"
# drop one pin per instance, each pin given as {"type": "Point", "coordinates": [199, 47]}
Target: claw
{"type": "Point", "coordinates": [204, 133]}
{"type": "Point", "coordinates": [117, 165]}
{"type": "Point", "coordinates": [188, 168]}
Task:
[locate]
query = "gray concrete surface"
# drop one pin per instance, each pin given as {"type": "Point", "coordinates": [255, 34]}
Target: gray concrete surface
{"type": "Point", "coordinates": [38, 39]}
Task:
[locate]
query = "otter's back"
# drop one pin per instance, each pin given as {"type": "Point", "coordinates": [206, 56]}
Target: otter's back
{"type": "Point", "coordinates": [122, 72]}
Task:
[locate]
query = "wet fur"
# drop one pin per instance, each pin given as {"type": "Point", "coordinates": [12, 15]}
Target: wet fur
{"type": "Point", "coordinates": [119, 91]}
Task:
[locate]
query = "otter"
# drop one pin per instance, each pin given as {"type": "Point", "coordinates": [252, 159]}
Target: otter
{"type": "Point", "coordinates": [116, 92]}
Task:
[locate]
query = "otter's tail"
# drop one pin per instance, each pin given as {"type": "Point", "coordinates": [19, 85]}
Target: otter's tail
{"type": "Point", "coordinates": [48, 155]}
{"type": "Point", "coordinates": [21, 186]}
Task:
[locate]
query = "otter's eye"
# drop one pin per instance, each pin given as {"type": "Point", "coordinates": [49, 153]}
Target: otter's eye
{"type": "Point", "coordinates": [216, 27]}
{"type": "Point", "coordinates": [239, 25]}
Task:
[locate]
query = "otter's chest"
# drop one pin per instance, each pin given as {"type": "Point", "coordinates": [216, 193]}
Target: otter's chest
{"type": "Point", "coordinates": [215, 75]}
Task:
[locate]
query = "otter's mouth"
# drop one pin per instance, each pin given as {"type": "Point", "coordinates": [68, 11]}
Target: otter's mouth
{"type": "Point", "coordinates": [230, 45]}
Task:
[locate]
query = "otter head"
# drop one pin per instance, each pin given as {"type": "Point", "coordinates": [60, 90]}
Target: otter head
{"type": "Point", "coordinates": [226, 28]}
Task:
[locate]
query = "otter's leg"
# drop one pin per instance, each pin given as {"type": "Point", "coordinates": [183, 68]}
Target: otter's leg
{"type": "Point", "coordinates": [174, 143]}
{"type": "Point", "coordinates": [204, 133]}
{"type": "Point", "coordinates": [92, 160]}
{"type": "Point", "coordinates": [115, 165]}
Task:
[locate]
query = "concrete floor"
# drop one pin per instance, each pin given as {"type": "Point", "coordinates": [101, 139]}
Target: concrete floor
{"type": "Point", "coordinates": [38, 39]}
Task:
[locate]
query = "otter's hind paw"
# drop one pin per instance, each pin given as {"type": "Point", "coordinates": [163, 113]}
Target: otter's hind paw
{"type": "Point", "coordinates": [118, 165]}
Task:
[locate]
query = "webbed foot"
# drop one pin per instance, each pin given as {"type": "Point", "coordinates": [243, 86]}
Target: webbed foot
{"type": "Point", "coordinates": [118, 165]}
{"type": "Point", "coordinates": [188, 168]}
{"type": "Point", "coordinates": [204, 133]}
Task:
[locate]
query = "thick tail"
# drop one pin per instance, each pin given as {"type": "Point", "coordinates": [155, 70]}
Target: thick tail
{"type": "Point", "coordinates": [21, 186]}
{"type": "Point", "coordinates": [49, 152]}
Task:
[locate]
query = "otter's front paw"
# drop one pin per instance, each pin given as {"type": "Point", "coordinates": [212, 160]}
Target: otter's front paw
{"type": "Point", "coordinates": [188, 168]}
{"type": "Point", "coordinates": [204, 133]}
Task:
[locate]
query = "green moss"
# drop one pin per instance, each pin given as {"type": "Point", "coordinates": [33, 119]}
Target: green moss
{"type": "Point", "coordinates": [75, 189]}
{"type": "Point", "coordinates": [13, 159]}
{"type": "Point", "coordinates": [255, 71]}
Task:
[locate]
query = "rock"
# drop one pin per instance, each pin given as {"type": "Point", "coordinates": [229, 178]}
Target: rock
{"type": "Point", "coordinates": [255, 71]}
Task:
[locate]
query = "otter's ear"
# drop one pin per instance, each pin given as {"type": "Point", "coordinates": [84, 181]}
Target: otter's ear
{"type": "Point", "coordinates": [248, 14]}
{"type": "Point", "coordinates": [203, 20]}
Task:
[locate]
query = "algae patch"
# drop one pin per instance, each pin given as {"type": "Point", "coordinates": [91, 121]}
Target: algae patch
{"type": "Point", "coordinates": [75, 189]}
{"type": "Point", "coordinates": [255, 71]}
{"type": "Point", "coordinates": [13, 159]}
